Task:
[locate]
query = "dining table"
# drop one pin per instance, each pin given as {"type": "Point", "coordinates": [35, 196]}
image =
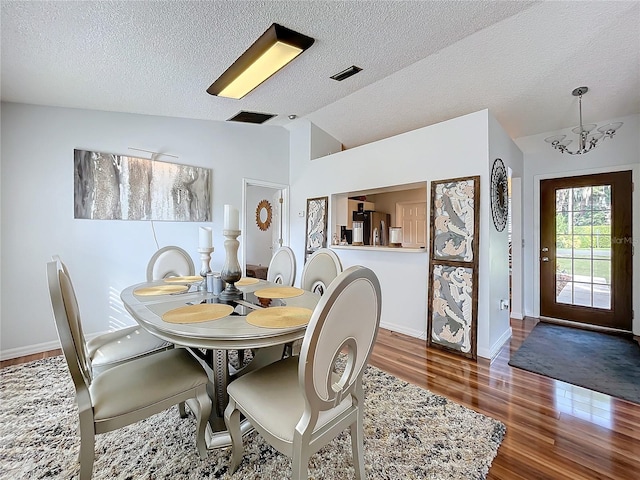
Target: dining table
{"type": "Point", "coordinates": [267, 317]}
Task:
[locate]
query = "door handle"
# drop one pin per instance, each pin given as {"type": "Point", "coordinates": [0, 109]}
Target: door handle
{"type": "Point", "coordinates": [545, 249]}
{"type": "Point", "coordinates": [545, 259]}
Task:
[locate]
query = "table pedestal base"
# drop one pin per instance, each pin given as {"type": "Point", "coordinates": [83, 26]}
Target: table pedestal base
{"type": "Point", "coordinates": [216, 433]}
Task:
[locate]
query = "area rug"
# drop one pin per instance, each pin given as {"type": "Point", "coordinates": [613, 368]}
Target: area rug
{"type": "Point", "coordinates": [598, 361]}
{"type": "Point", "coordinates": [410, 433]}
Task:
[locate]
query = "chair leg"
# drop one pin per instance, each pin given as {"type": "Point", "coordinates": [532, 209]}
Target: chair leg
{"type": "Point", "coordinates": [232, 420]}
{"type": "Point", "coordinates": [202, 416]}
{"type": "Point", "coordinates": [357, 446]}
{"type": "Point", "coordinates": [183, 411]}
{"type": "Point", "coordinates": [87, 447]}
{"type": "Point", "coordinates": [300, 462]}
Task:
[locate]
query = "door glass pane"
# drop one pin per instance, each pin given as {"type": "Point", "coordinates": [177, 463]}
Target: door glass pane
{"type": "Point", "coordinates": [582, 294]}
{"type": "Point", "coordinates": [601, 197]}
{"type": "Point", "coordinates": [564, 291]}
{"type": "Point", "coordinates": [563, 198]}
{"type": "Point", "coordinates": [583, 246]}
{"type": "Point", "coordinates": [581, 197]}
{"type": "Point", "coordinates": [564, 244]}
{"type": "Point", "coordinates": [563, 223]}
{"type": "Point", "coordinates": [602, 271]}
{"type": "Point", "coordinates": [582, 270]}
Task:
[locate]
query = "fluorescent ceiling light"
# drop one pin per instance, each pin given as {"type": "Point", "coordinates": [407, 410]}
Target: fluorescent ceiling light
{"type": "Point", "coordinates": [273, 50]}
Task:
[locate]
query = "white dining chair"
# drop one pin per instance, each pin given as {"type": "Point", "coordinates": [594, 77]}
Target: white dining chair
{"type": "Point", "coordinates": [126, 393]}
{"type": "Point", "coordinates": [322, 267]}
{"type": "Point", "coordinates": [299, 404]}
{"type": "Point", "coordinates": [114, 348]}
{"type": "Point", "coordinates": [282, 267]}
{"type": "Point", "coordinates": [171, 261]}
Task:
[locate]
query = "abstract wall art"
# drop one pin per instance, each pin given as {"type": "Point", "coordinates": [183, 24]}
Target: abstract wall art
{"type": "Point", "coordinates": [316, 230]}
{"type": "Point", "coordinates": [118, 187]}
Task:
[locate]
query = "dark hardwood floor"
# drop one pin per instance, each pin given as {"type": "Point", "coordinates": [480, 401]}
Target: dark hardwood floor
{"type": "Point", "coordinates": [554, 430]}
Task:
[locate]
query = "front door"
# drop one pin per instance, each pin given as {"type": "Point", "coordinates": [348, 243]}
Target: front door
{"type": "Point", "coordinates": [586, 249]}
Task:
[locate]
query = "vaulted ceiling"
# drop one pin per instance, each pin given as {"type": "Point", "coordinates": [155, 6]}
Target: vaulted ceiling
{"type": "Point", "coordinates": [423, 61]}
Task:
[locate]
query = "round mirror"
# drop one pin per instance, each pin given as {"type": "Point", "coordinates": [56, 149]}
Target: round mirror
{"type": "Point", "coordinates": [263, 215]}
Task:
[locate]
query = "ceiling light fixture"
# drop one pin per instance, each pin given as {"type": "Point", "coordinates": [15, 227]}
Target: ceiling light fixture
{"type": "Point", "coordinates": [273, 50]}
{"type": "Point", "coordinates": [586, 142]}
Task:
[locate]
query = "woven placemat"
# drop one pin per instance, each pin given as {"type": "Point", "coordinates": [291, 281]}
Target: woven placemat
{"type": "Point", "coordinates": [187, 279]}
{"type": "Point", "coordinates": [161, 290]}
{"type": "Point", "coordinates": [280, 317]}
{"type": "Point", "coordinates": [246, 281]}
{"type": "Point", "coordinates": [278, 292]}
{"type": "Point", "coordinates": [203, 312]}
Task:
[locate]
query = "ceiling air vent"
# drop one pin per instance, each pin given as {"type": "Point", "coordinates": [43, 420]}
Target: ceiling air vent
{"type": "Point", "coordinates": [251, 117]}
{"type": "Point", "coordinates": [352, 70]}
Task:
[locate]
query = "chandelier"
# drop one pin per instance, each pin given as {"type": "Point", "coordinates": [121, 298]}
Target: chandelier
{"type": "Point", "coordinates": [586, 140]}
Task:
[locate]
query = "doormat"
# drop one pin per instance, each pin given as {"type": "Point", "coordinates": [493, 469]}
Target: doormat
{"type": "Point", "coordinates": [602, 362]}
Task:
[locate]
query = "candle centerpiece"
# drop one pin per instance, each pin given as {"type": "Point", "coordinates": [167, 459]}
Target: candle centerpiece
{"type": "Point", "coordinates": [231, 271]}
{"type": "Point", "coordinates": [205, 248]}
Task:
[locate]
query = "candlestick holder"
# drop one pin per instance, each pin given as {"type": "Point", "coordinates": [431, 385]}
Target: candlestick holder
{"type": "Point", "coordinates": [231, 272]}
{"type": "Point", "coordinates": [205, 257]}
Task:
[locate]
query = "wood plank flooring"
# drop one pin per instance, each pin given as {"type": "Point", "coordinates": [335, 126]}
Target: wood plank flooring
{"type": "Point", "coordinates": [554, 430]}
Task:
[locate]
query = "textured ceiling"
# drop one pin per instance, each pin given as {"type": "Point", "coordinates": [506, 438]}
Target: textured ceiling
{"type": "Point", "coordinates": [423, 62]}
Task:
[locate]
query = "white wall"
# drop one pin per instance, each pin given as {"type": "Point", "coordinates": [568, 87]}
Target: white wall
{"type": "Point", "coordinates": [104, 256]}
{"type": "Point", "coordinates": [500, 146]}
{"type": "Point", "coordinates": [540, 162]}
{"type": "Point", "coordinates": [456, 148]}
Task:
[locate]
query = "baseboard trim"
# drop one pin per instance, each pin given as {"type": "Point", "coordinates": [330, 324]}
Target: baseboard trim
{"type": "Point", "coordinates": [491, 353]}
{"type": "Point", "coordinates": [516, 315]}
{"type": "Point", "coordinates": [404, 330]}
{"type": "Point", "coordinates": [28, 350]}
{"type": "Point", "coordinates": [38, 348]}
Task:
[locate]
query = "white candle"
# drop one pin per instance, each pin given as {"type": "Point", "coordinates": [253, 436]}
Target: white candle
{"type": "Point", "coordinates": [206, 238]}
{"type": "Point", "coordinates": [395, 235]}
{"type": "Point", "coordinates": [231, 218]}
{"type": "Point", "coordinates": [357, 232]}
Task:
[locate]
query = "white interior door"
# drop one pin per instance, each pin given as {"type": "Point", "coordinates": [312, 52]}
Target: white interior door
{"type": "Point", "coordinates": [258, 246]}
{"type": "Point", "coordinates": [412, 217]}
{"type": "Point", "coordinates": [276, 232]}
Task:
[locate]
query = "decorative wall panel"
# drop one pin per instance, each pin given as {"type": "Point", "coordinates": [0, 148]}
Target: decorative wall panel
{"type": "Point", "coordinates": [453, 268]}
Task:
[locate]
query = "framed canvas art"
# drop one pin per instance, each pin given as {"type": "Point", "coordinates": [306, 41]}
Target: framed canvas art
{"type": "Point", "coordinates": [119, 187]}
{"type": "Point", "coordinates": [454, 219]}
{"type": "Point", "coordinates": [316, 229]}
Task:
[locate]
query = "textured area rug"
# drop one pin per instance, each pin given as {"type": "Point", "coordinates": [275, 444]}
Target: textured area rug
{"type": "Point", "coordinates": [598, 361]}
{"type": "Point", "coordinates": [410, 433]}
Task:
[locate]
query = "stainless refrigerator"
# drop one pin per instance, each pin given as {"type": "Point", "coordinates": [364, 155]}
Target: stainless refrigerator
{"type": "Point", "coordinates": [373, 222]}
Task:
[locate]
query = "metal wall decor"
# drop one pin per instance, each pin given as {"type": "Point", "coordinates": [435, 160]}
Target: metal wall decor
{"type": "Point", "coordinates": [453, 266]}
{"type": "Point", "coordinates": [118, 187]}
{"type": "Point", "coordinates": [499, 195]}
{"type": "Point", "coordinates": [316, 229]}
{"type": "Point", "coordinates": [263, 215]}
